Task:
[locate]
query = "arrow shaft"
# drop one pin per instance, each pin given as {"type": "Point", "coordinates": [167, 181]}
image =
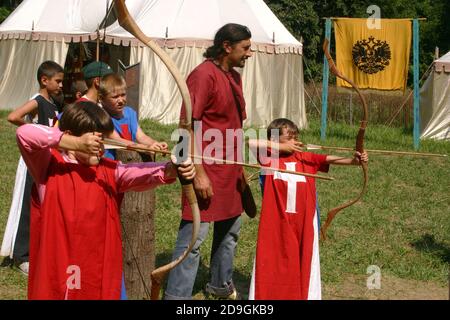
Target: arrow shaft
{"type": "Point", "coordinates": [117, 144]}
{"type": "Point", "coordinates": [386, 152]}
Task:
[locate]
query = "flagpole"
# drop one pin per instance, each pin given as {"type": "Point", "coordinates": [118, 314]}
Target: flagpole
{"type": "Point", "coordinates": [325, 78]}
{"type": "Point", "coordinates": [416, 130]}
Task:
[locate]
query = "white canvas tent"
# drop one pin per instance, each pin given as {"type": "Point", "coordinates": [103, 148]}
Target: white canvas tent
{"type": "Point", "coordinates": [435, 101]}
{"type": "Point", "coordinates": [41, 30]}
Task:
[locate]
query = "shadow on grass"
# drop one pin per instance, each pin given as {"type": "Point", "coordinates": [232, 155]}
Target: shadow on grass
{"type": "Point", "coordinates": [429, 244]}
{"type": "Point", "coordinates": [7, 262]}
{"type": "Point", "coordinates": [240, 280]}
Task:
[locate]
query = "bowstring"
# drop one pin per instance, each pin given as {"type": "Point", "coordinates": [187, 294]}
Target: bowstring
{"type": "Point", "coordinates": [127, 239]}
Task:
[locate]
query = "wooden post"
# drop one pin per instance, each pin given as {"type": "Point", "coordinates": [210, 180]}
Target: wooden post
{"type": "Point", "coordinates": [350, 109]}
{"type": "Point", "coordinates": [97, 47]}
{"type": "Point", "coordinates": [138, 234]}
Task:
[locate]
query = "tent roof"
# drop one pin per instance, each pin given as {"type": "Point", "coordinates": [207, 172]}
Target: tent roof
{"type": "Point", "coordinates": [170, 23]}
{"type": "Point", "coordinates": [443, 63]}
{"type": "Point", "coordinates": [181, 21]}
{"type": "Point", "coordinates": [56, 16]}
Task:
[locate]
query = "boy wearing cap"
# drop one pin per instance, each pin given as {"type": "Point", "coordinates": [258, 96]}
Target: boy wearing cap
{"type": "Point", "coordinates": [93, 73]}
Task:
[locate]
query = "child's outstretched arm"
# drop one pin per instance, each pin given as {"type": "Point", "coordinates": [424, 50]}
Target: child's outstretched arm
{"type": "Point", "coordinates": [260, 147]}
{"type": "Point", "coordinates": [356, 160]}
{"type": "Point", "coordinates": [116, 136]}
{"type": "Point", "coordinates": [146, 175]}
{"type": "Point", "coordinates": [289, 146]}
{"type": "Point", "coordinates": [185, 169]}
{"type": "Point", "coordinates": [142, 138]}
{"type": "Point", "coordinates": [17, 116]}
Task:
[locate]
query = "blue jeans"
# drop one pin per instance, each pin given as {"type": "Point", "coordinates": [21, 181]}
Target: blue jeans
{"type": "Point", "coordinates": [123, 291]}
{"type": "Point", "coordinates": [182, 278]}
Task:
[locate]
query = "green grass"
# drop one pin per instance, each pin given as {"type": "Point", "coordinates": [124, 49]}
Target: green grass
{"type": "Point", "coordinates": [12, 283]}
{"type": "Point", "coordinates": [402, 224]}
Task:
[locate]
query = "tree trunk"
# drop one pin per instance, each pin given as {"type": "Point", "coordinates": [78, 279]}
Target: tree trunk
{"type": "Point", "coordinates": [138, 234]}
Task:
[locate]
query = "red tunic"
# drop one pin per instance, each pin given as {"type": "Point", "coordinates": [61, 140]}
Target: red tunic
{"type": "Point", "coordinates": [75, 240]}
{"type": "Point", "coordinates": [214, 106]}
{"type": "Point", "coordinates": [284, 253]}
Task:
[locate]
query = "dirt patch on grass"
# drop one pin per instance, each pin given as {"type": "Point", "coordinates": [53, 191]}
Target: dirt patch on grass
{"type": "Point", "coordinates": [392, 288]}
{"type": "Point", "coordinates": [12, 293]}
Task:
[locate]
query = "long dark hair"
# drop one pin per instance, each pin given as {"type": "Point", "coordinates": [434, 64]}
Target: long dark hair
{"type": "Point", "coordinates": [231, 32]}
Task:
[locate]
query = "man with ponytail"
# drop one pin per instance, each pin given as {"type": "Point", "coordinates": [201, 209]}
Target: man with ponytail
{"type": "Point", "coordinates": [217, 103]}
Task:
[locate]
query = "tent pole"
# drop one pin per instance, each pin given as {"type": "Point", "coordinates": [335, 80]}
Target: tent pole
{"type": "Point", "coordinates": [325, 76]}
{"type": "Point", "coordinates": [97, 51]}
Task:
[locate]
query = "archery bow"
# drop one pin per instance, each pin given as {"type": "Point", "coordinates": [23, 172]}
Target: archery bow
{"type": "Point", "coordinates": [359, 142]}
{"type": "Point", "coordinates": [127, 22]}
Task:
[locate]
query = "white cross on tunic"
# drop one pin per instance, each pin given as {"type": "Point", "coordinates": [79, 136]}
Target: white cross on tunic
{"type": "Point", "coordinates": [291, 180]}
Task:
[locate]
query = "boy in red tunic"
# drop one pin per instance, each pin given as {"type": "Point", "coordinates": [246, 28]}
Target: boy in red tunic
{"type": "Point", "coordinates": [75, 245]}
{"type": "Point", "coordinates": [287, 255]}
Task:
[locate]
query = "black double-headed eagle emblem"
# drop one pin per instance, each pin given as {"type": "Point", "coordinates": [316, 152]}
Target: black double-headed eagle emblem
{"type": "Point", "coordinates": [371, 56]}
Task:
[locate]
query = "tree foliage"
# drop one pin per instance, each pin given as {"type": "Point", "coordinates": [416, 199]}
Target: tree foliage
{"type": "Point", "coordinates": [6, 7]}
{"type": "Point", "coordinates": [4, 13]}
{"type": "Point", "coordinates": [304, 19]}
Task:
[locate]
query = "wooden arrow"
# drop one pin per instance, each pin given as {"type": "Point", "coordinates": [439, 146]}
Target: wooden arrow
{"type": "Point", "coordinates": [114, 144]}
{"type": "Point", "coordinates": [383, 152]}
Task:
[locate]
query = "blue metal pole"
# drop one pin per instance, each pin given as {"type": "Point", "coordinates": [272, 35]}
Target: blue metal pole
{"type": "Point", "coordinates": [325, 76]}
{"type": "Point", "coordinates": [416, 132]}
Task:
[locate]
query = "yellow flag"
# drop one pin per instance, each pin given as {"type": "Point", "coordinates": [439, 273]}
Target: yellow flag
{"type": "Point", "coordinates": [373, 56]}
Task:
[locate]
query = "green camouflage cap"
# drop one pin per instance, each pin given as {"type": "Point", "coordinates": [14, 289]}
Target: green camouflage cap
{"type": "Point", "coordinates": [96, 69]}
